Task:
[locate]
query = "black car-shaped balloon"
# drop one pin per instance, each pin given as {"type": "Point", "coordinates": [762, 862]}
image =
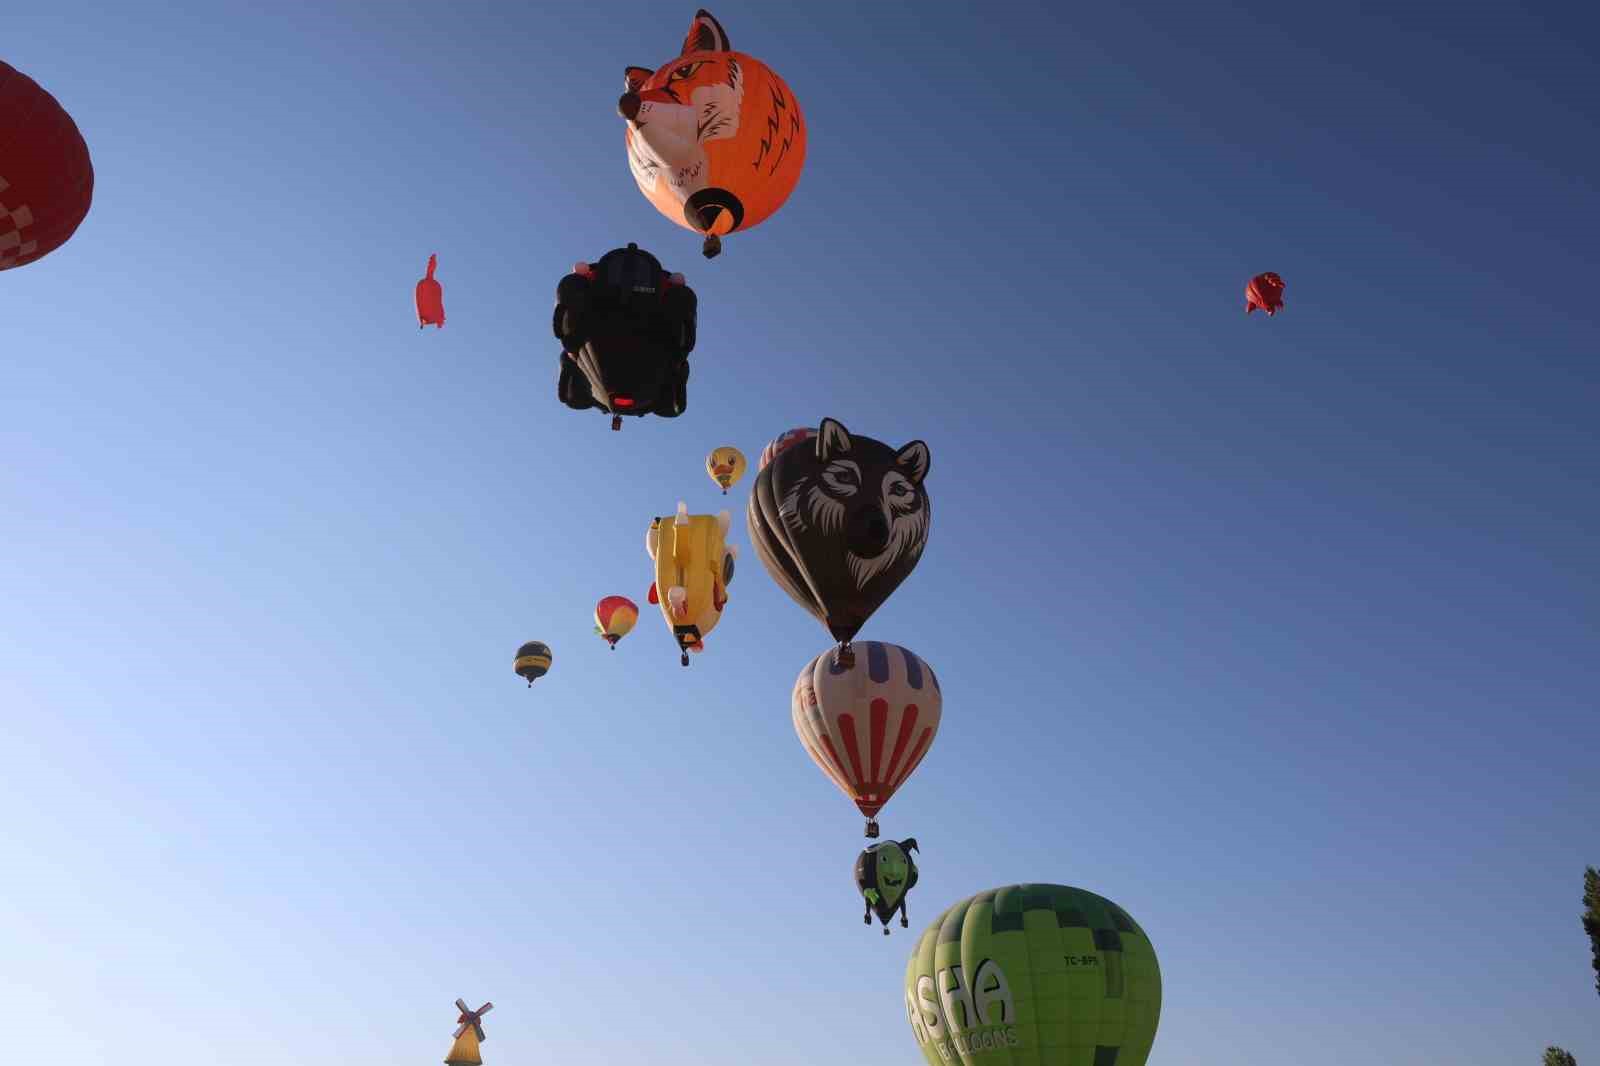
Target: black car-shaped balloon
{"type": "Point", "coordinates": [626, 328]}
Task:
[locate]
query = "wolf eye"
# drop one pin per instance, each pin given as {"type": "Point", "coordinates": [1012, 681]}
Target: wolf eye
{"type": "Point", "coordinates": [686, 71]}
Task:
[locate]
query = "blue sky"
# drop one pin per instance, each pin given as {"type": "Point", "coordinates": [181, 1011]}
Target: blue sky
{"type": "Point", "coordinates": [1278, 632]}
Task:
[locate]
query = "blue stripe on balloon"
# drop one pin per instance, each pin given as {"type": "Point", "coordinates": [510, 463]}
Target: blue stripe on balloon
{"type": "Point", "coordinates": [913, 669]}
{"type": "Point", "coordinates": [877, 661]}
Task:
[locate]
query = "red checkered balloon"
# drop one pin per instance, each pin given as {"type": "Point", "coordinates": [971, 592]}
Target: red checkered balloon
{"type": "Point", "coordinates": [46, 179]}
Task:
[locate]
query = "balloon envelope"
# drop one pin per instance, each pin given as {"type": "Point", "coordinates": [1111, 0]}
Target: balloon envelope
{"type": "Point", "coordinates": [533, 660]}
{"type": "Point", "coordinates": [841, 523]}
{"type": "Point", "coordinates": [780, 443]}
{"type": "Point", "coordinates": [46, 178]}
{"type": "Point", "coordinates": [1264, 291]}
{"type": "Point", "coordinates": [715, 138]}
{"type": "Point", "coordinates": [867, 726]}
{"type": "Point", "coordinates": [614, 617]}
{"type": "Point", "coordinates": [430, 297]}
{"type": "Point", "coordinates": [1034, 975]}
{"type": "Point", "coordinates": [626, 328]}
{"type": "Point", "coordinates": [726, 465]}
{"type": "Point", "coordinates": [693, 567]}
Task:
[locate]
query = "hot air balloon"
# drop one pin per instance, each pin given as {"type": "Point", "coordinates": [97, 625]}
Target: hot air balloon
{"type": "Point", "coordinates": [430, 298]}
{"type": "Point", "coordinates": [885, 873]}
{"type": "Point", "coordinates": [46, 178]}
{"type": "Point", "coordinates": [867, 726]}
{"type": "Point", "coordinates": [715, 139]}
{"type": "Point", "coordinates": [469, 1034]}
{"type": "Point", "coordinates": [694, 565]}
{"type": "Point", "coordinates": [1264, 291]}
{"type": "Point", "coordinates": [626, 329]}
{"type": "Point", "coordinates": [783, 443]}
{"type": "Point", "coordinates": [614, 617]}
{"type": "Point", "coordinates": [840, 524]}
{"type": "Point", "coordinates": [533, 661]}
{"type": "Point", "coordinates": [726, 466]}
{"type": "Point", "coordinates": [1034, 974]}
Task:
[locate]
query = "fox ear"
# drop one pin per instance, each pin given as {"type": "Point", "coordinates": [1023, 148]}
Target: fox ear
{"type": "Point", "coordinates": [636, 76]}
{"type": "Point", "coordinates": [832, 439]}
{"type": "Point", "coordinates": [915, 459]}
{"type": "Point", "coordinates": [705, 35]}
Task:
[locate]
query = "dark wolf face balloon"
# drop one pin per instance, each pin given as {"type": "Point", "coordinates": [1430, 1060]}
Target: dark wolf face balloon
{"type": "Point", "coordinates": [840, 521]}
{"type": "Point", "coordinates": [884, 874]}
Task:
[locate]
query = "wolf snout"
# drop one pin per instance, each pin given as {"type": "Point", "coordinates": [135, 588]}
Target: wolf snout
{"type": "Point", "coordinates": [628, 106]}
{"type": "Point", "coordinates": [868, 532]}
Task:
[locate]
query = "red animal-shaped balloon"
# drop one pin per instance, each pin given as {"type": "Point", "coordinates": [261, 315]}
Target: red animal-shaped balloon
{"type": "Point", "coordinates": [1264, 291]}
{"type": "Point", "coordinates": [430, 298]}
{"type": "Point", "coordinates": [46, 179]}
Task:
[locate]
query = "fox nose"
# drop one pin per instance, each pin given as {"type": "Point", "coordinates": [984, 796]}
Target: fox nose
{"type": "Point", "coordinates": [628, 106]}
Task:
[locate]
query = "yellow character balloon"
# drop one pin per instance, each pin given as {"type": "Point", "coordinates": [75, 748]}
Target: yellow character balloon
{"type": "Point", "coordinates": [726, 467]}
{"type": "Point", "coordinates": [694, 565]}
{"type": "Point", "coordinates": [715, 138]}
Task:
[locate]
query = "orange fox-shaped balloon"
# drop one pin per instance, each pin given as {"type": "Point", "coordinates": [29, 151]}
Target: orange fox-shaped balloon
{"type": "Point", "coordinates": [430, 298]}
{"type": "Point", "coordinates": [715, 138]}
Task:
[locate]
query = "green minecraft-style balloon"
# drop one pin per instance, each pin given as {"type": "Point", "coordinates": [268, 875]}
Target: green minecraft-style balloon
{"type": "Point", "coordinates": [1034, 975]}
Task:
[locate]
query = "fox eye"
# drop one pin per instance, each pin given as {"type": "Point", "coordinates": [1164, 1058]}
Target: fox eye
{"type": "Point", "coordinates": [685, 71]}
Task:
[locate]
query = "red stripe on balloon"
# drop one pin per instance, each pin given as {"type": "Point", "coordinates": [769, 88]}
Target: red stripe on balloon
{"type": "Point", "coordinates": [908, 722]}
{"type": "Point", "coordinates": [847, 723]}
{"type": "Point", "coordinates": [880, 724]}
{"type": "Point", "coordinates": [916, 756]}
{"type": "Point", "coordinates": [837, 770]}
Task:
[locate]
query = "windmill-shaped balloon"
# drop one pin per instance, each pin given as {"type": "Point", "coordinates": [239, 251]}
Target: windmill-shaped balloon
{"type": "Point", "coordinates": [469, 1034]}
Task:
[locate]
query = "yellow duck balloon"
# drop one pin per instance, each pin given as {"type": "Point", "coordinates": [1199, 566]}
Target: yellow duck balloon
{"type": "Point", "coordinates": [694, 565]}
{"type": "Point", "coordinates": [726, 466]}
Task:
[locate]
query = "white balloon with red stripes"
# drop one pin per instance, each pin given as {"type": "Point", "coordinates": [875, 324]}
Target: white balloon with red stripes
{"type": "Point", "coordinates": [867, 725]}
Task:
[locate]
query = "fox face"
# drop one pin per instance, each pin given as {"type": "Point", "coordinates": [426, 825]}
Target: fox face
{"type": "Point", "coordinates": [870, 498]}
{"type": "Point", "coordinates": [696, 101]}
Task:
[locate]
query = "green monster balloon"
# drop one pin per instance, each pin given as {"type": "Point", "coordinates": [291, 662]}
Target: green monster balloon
{"type": "Point", "coordinates": [884, 874]}
{"type": "Point", "coordinates": [1034, 975]}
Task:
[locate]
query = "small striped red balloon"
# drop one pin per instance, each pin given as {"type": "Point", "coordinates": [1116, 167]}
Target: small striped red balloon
{"type": "Point", "coordinates": [46, 179]}
{"type": "Point", "coordinates": [867, 726]}
{"type": "Point", "coordinates": [782, 443]}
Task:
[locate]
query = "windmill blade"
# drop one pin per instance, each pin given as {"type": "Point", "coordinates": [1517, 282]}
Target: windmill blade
{"type": "Point", "coordinates": [479, 1029]}
{"type": "Point", "coordinates": [461, 1029]}
{"type": "Point", "coordinates": [462, 1006]}
{"type": "Point", "coordinates": [485, 1009]}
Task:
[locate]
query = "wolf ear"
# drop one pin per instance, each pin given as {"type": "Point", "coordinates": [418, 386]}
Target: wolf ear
{"type": "Point", "coordinates": [832, 440]}
{"type": "Point", "coordinates": [705, 35]}
{"type": "Point", "coordinates": [914, 459]}
{"type": "Point", "coordinates": [636, 76]}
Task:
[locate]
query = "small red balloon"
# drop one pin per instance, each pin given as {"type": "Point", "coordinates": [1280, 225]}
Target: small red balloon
{"type": "Point", "coordinates": [430, 298]}
{"type": "Point", "coordinates": [1264, 291]}
{"type": "Point", "coordinates": [46, 179]}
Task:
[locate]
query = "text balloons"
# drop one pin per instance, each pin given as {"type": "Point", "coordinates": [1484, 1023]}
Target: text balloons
{"type": "Point", "coordinates": [1034, 975]}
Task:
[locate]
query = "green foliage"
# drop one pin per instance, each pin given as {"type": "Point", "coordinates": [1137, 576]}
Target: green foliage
{"type": "Point", "coordinates": [1591, 916]}
{"type": "Point", "coordinates": [1554, 1056]}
